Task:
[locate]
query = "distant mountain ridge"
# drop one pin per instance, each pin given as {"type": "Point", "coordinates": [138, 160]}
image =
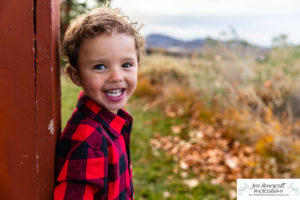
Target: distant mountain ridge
{"type": "Point", "coordinates": [162, 41]}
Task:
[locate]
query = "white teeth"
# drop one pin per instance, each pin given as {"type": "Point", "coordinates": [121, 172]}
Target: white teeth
{"type": "Point", "coordinates": [114, 93]}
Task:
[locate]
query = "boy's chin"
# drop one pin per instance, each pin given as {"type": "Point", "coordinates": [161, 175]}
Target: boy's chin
{"type": "Point", "coordinates": [114, 109]}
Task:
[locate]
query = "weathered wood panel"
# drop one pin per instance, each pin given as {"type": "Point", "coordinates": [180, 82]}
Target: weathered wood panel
{"type": "Point", "coordinates": [29, 97]}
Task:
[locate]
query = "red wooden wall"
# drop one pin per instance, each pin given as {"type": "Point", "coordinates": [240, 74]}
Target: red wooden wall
{"type": "Point", "coordinates": [29, 97]}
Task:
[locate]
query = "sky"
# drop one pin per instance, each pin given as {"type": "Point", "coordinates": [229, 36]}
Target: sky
{"type": "Point", "coordinates": [256, 21]}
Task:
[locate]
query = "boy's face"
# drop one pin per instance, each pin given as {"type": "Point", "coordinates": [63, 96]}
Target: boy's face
{"type": "Point", "coordinates": [107, 69]}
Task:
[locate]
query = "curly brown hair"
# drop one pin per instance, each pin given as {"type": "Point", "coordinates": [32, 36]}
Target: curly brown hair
{"type": "Point", "coordinates": [96, 22]}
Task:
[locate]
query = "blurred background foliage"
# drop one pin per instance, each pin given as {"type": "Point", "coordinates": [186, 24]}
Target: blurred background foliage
{"type": "Point", "coordinates": [205, 118]}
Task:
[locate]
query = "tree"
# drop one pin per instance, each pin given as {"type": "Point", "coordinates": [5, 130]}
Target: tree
{"type": "Point", "coordinates": [280, 41]}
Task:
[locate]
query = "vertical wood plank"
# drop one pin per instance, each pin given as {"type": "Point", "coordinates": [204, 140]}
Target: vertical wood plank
{"type": "Point", "coordinates": [47, 91]}
{"type": "Point", "coordinates": [17, 100]}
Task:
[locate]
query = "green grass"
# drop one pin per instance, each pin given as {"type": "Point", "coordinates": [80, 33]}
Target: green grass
{"type": "Point", "coordinates": [153, 174]}
{"type": "Point", "coordinates": [69, 97]}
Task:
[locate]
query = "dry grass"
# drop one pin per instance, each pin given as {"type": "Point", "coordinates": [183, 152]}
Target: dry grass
{"type": "Point", "coordinates": [244, 101]}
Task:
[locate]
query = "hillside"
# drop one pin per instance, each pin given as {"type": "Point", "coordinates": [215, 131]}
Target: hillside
{"type": "Point", "coordinates": [200, 45]}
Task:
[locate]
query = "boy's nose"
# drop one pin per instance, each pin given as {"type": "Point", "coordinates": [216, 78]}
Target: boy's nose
{"type": "Point", "coordinates": [115, 75]}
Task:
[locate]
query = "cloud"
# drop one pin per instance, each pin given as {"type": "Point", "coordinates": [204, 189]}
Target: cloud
{"type": "Point", "coordinates": [257, 21]}
{"type": "Point", "coordinates": [209, 6]}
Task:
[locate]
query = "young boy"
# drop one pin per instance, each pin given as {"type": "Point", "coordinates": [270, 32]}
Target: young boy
{"type": "Point", "coordinates": [92, 156]}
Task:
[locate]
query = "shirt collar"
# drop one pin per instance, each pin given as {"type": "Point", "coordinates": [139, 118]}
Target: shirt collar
{"type": "Point", "coordinates": [111, 121]}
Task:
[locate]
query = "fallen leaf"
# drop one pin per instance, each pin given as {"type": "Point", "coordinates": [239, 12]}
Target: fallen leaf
{"type": "Point", "coordinates": [191, 182]}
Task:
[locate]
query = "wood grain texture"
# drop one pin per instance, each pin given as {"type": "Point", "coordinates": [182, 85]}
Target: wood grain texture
{"type": "Point", "coordinates": [29, 97]}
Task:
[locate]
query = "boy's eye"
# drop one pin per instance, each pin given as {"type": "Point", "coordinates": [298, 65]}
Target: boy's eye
{"type": "Point", "coordinates": [99, 67]}
{"type": "Point", "coordinates": [127, 65]}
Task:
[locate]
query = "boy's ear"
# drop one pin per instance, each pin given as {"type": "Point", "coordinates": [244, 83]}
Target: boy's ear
{"type": "Point", "coordinates": [74, 75]}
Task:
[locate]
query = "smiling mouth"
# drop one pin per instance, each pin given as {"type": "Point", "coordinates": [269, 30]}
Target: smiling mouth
{"type": "Point", "coordinates": [114, 92]}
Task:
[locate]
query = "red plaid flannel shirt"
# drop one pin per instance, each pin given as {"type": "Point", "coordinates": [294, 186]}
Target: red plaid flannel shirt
{"type": "Point", "coordinates": [92, 155]}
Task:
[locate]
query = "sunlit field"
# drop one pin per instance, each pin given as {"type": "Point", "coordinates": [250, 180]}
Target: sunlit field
{"type": "Point", "coordinates": [202, 121]}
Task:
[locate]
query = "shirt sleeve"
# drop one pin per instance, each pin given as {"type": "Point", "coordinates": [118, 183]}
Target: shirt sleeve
{"type": "Point", "coordinates": [83, 172]}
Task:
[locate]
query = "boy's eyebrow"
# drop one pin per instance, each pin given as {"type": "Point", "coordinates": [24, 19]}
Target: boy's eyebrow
{"type": "Point", "coordinates": [129, 58]}
{"type": "Point", "coordinates": [105, 60]}
{"type": "Point", "coordinates": [96, 61]}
